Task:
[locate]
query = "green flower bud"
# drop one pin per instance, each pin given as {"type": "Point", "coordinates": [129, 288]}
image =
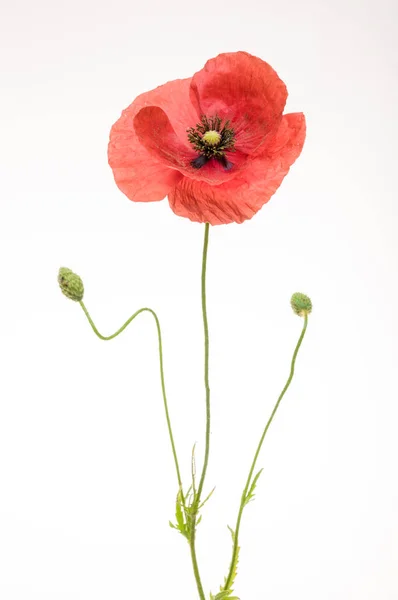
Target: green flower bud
{"type": "Point", "coordinates": [71, 285]}
{"type": "Point", "coordinates": [301, 304]}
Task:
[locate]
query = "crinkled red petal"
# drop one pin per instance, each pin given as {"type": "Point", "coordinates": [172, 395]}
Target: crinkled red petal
{"type": "Point", "coordinates": [240, 199]}
{"type": "Point", "coordinates": [156, 133]}
{"type": "Point", "coordinates": [243, 89]}
{"type": "Point", "coordinates": [137, 172]}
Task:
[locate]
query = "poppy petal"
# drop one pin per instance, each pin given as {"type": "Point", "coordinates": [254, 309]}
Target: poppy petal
{"type": "Point", "coordinates": [284, 139]}
{"type": "Point", "coordinates": [240, 199]}
{"type": "Point", "coordinates": [156, 133]}
{"type": "Point", "coordinates": [137, 173]}
{"type": "Point", "coordinates": [243, 89]}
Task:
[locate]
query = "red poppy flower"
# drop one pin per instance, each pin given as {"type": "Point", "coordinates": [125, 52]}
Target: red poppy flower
{"type": "Point", "coordinates": [216, 144]}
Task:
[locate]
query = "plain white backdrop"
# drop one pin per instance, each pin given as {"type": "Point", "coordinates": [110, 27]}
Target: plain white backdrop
{"type": "Point", "coordinates": [87, 484]}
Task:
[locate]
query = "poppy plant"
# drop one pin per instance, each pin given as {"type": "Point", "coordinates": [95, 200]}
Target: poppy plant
{"type": "Point", "coordinates": [217, 144]}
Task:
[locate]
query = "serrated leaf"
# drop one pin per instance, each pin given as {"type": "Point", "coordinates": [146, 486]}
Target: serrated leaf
{"type": "Point", "coordinates": [188, 492]}
{"type": "Point", "coordinates": [250, 493]}
{"type": "Point", "coordinates": [222, 595]}
{"type": "Point", "coordinates": [193, 470]}
{"type": "Point", "coordinates": [234, 569]}
{"type": "Point", "coordinates": [179, 514]}
{"type": "Point", "coordinates": [234, 566]}
{"type": "Point", "coordinates": [225, 594]}
{"type": "Point", "coordinates": [207, 498]}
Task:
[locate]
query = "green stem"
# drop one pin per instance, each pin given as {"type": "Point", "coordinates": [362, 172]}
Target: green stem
{"type": "Point", "coordinates": [235, 549]}
{"type": "Point", "coordinates": [207, 384]}
{"type": "Point", "coordinates": [192, 540]}
{"type": "Point", "coordinates": [196, 573]}
{"type": "Point", "coordinates": [122, 328]}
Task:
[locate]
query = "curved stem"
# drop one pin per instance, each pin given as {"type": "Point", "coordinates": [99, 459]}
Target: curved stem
{"type": "Point", "coordinates": [198, 494]}
{"type": "Point", "coordinates": [166, 409]}
{"type": "Point", "coordinates": [235, 548]}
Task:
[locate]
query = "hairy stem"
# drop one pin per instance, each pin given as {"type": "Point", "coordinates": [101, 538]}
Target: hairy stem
{"type": "Point", "coordinates": [198, 494]}
{"type": "Point", "coordinates": [166, 408]}
{"type": "Point", "coordinates": [206, 373]}
{"type": "Point", "coordinates": [235, 548]}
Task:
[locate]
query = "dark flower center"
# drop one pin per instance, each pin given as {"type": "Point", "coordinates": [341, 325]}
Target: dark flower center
{"type": "Point", "coordinates": [211, 138]}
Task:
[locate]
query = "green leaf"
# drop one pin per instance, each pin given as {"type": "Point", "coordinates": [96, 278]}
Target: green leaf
{"type": "Point", "coordinates": [222, 595]}
{"type": "Point", "coordinates": [234, 566]}
{"type": "Point", "coordinates": [226, 593]}
{"type": "Point", "coordinates": [182, 519]}
{"type": "Point", "coordinates": [193, 470]}
{"type": "Point", "coordinates": [179, 513]}
{"type": "Point", "coordinates": [250, 493]}
{"type": "Point", "coordinates": [207, 498]}
{"type": "Point", "coordinates": [188, 492]}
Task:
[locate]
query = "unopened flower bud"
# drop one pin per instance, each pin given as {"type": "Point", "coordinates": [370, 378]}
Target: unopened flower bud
{"type": "Point", "coordinates": [71, 285]}
{"type": "Point", "coordinates": [301, 304]}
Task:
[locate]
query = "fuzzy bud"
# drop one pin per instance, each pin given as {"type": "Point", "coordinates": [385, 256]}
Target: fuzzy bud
{"type": "Point", "coordinates": [71, 285]}
{"type": "Point", "coordinates": [301, 304]}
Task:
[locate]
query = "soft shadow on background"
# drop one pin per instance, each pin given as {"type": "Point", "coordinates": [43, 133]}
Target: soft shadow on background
{"type": "Point", "coordinates": [86, 475]}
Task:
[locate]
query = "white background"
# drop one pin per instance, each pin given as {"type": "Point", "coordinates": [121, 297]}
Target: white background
{"type": "Point", "coordinates": [86, 475]}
